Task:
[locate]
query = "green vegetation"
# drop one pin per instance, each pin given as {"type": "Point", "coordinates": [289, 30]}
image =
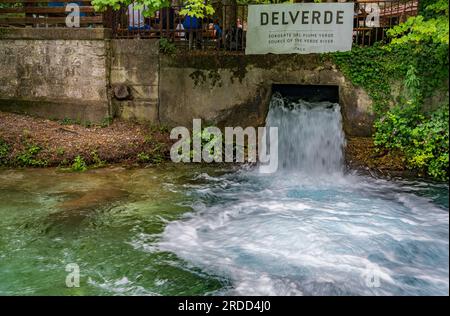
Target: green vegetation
{"type": "Point", "coordinates": [143, 157]}
{"type": "Point", "coordinates": [423, 139]}
{"type": "Point", "coordinates": [106, 121]}
{"type": "Point", "coordinates": [28, 158]}
{"type": "Point", "coordinates": [430, 26]}
{"type": "Point", "coordinates": [422, 68]}
{"type": "Point", "coordinates": [156, 155]}
{"type": "Point", "coordinates": [197, 8]}
{"type": "Point", "coordinates": [69, 121]}
{"type": "Point", "coordinates": [157, 152]}
{"type": "Point", "coordinates": [166, 47]}
{"type": "Point", "coordinates": [417, 57]}
{"type": "Point", "coordinates": [97, 162]}
{"type": "Point", "coordinates": [4, 152]}
{"type": "Point", "coordinates": [79, 164]}
{"type": "Point", "coordinates": [208, 142]}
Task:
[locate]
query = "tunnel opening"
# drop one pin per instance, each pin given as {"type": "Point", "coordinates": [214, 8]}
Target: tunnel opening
{"type": "Point", "coordinates": [310, 93]}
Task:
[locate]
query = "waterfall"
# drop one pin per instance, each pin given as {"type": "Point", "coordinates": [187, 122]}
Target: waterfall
{"type": "Point", "coordinates": [310, 136]}
{"type": "Point", "coordinates": [308, 229]}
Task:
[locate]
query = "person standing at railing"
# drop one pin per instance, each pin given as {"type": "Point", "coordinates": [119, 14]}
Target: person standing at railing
{"type": "Point", "coordinates": [217, 28]}
{"type": "Point", "coordinates": [179, 34]}
{"type": "Point", "coordinates": [136, 19]}
{"type": "Point", "coordinates": [193, 27]}
{"type": "Point", "coordinates": [239, 23]}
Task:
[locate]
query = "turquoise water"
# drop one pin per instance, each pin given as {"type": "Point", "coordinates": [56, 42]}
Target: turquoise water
{"type": "Point", "coordinates": [186, 229]}
{"type": "Point", "coordinates": [105, 221]}
{"type": "Point", "coordinates": [179, 230]}
{"type": "Point", "coordinates": [293, 234]}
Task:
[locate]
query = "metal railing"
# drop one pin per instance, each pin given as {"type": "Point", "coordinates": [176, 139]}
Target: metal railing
{"type": "Point", "coordinates": [228, 27]}
{"type": "Point", "coordinates": [367, 30]}
{"type": "Point", "coordinates": [225, 30]}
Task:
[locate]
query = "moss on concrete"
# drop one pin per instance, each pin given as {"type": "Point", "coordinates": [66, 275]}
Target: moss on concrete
{"type": "Point", "coordinates": [239, 63]}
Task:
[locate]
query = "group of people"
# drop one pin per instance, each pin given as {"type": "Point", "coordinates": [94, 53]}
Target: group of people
{"type": "Point", "coordinates": [210, 27]}
{"type": "Point", "coordinates": [137, 21]}
{"type": "Point", "coordinates": [169, 19]}
{"type": "Point", "coordinates": [188, 28]}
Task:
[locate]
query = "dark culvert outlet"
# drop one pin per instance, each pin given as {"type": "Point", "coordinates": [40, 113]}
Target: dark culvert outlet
{"type": "Point", "coordinates": [310, 93]}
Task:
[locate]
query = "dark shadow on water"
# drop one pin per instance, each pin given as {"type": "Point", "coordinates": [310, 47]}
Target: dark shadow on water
{"type": "Point", "coordinates": [71, 213]}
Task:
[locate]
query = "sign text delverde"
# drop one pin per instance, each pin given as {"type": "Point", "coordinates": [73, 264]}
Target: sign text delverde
{"type": "Point", "coordinates": [299, 28]}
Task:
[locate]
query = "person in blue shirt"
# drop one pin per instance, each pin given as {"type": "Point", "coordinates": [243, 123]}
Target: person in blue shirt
{"type": "Point", "coordinates": [136, 19]}
{"type": "Point", "coordinates": [217, 28]}
{"type": "Point", "coordinates": [192, 25]}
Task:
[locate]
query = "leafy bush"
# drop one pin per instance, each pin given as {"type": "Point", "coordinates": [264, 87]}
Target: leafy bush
{"type": "Point", "coordinates": [197, 8]}
{"type": "Point", "coordinates": [430, 26]}
{"type": "Point", "coordinates": [422, 68]}
{"type": "Point", "coordinates": [418, 58]}
{"type": "Point", "coordinates": [79, 164]}
{"type": "Point", "coordinates": [97, 161]}
{"type": "Point", "coordinates": [143, 157]}
{"type": "Point", "coordinates": [424, 139]}
{"type": "Point", "coordinates": [28, 158]}
{"type": "Point", "coordinates": [166, 47]}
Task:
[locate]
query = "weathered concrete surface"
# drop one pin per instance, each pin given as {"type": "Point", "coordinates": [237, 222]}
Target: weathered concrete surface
{"type": "Point", "coordinates": [83, 111]}
{"type": "Point", "coordinates": [75, 77]}
{"type": "Point", "coordinates": [60, 33]}
{"type": "Point", "coordinates": [235, 90]}
{"type": "Point", "coordinates": [135, 64]}
{"type": "Point", "coordinates": [55, 78]}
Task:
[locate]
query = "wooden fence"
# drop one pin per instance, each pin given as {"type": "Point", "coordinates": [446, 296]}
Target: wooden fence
{"type": "Point", "coordinates": [46, 13]}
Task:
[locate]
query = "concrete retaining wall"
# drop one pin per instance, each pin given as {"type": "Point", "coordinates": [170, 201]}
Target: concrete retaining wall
{"type": "Point", "coordinates": [135, 65]}
{"type": "Point", "coordinates": [235, 90]}
{"type": "Point", "coordinates": [76, 76]}
{"type": "Point", "coordinates": [63, 78]}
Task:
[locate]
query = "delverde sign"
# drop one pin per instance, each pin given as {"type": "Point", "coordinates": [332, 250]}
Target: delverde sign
{"type": "Point", "coordinates": [299, 28]}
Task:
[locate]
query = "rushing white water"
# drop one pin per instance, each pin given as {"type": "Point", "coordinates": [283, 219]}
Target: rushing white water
{"type": "Point", "coordinates": [309, 229]}
{"type": "Point", "coordinates": [310, 135]}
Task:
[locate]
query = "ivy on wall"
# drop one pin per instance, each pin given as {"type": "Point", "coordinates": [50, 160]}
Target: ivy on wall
{"type": "Point", "coordinates": [417, 58]}
{"type": "Point", "coordinates": [421, 70]}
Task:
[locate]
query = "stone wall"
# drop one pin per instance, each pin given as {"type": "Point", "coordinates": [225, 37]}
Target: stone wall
{"type": "Point", "coordinates": [135, 70]}
{"type": "Point", "coordinates": [67, 77]}
{"type": "Point", "coordinates": [85, 75]}
{"type": "Point", "coordinates": [234, 90]}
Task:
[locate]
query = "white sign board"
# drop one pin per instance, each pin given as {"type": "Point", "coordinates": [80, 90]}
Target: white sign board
{"type": "Point", "coordinates": [299, 28]}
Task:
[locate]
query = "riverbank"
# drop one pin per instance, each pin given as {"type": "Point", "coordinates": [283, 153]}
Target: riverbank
{"type": "Point", "coordinates": [27, 141]}
{"type": "Point", "coordinates": [34, 142]}
{"type": "Point", "coordinates": [361, 154]}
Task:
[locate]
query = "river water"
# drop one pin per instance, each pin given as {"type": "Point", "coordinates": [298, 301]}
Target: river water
{"type": "Point", "coordinates": [180, 229]}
